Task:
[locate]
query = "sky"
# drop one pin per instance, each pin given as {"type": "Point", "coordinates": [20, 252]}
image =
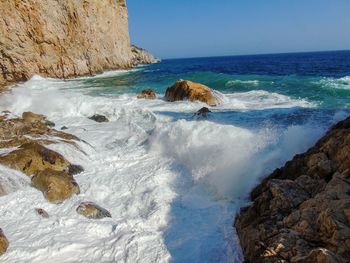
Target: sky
{"type": "Point", "coordinates": [200, 28]}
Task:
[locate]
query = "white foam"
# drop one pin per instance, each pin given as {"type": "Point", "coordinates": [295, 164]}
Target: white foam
{"type": "Point", "coordinates": [335, 83]}
{"type": "Point", "coordinates": [172, 185]}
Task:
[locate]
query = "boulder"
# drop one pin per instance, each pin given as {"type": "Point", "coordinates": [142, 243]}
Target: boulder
{"type": "Point", "coordinates": [301, 212]}
{"type": "Point", "coordinates": [99, 118]}
{"type": "Point", "coordinates": [32, 157]}
{"type": "Point", "coordinates": [55, 185]}
{"type": "Point", "coordinates": [4, 243]}
{"type": "Point", "coordinates": [147, 94]}
{"type": "Point", "coordinates": [188, 90]}
{"type": "Point", "coordinates": [92, 210]}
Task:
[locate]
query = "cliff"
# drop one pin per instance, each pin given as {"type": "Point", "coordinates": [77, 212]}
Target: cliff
{"type": "Point", "coordinates": [301, 212]}
{"type": "Point", "coordinates": [62, 39]}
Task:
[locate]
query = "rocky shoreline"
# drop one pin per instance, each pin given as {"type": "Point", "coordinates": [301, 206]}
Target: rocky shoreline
{"type": "Point", "coordinates": [301, 212]}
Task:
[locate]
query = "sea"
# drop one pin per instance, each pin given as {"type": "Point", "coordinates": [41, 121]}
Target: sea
{"type": "Point", "coordinates": [173, 181]}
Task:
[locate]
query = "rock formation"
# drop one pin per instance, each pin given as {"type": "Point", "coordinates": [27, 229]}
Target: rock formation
{"type": "Point", "coordinates": [63, 39]}
{"type": "Point", "coordinates": [147, 94]}
{"type": "Point", "coordinates": [92, 210]}
{"type": "Point", "coordinates": [301, 212]}
{"type": "Point", "coordinates": [52, 173]}
{"type": "Point", "coordinates": [142, 56]}
{"type": "Point", "coordinates": [185, 89]}
{"type": "Point", "coordinates": [4, 243]}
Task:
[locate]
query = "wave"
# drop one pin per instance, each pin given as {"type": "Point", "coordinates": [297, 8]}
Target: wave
{"type": "Point", "coordinates": [335, 83]}
{"type": "Point", "coordinates": [238, 82]}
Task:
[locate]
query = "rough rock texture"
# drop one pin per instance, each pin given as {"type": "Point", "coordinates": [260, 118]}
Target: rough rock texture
{"type": "Point", "coordinates": [55, 185]}
{"type": "Point", "coordinates": [147, 94]}
{"type": "Point", "coordinates": [301, 212]}
{"type": "Point", "coordinates": [3, 242]}
{"type": "Point", "coordinates": [63, 39]}
{"type": "Point", "coordinates": [52, 172]}
{"type": "Point", "coordinates": [185, 89]}
{"type": "Point", "coordinates": [142, 56]}
{"type": "Point", "coordinates": [92, 210]}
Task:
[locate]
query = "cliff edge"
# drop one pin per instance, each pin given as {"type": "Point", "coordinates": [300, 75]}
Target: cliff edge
{"type": "Point", "coordinates": [301, 212]}
{"type": "Point", "coordinates": [62, 39]}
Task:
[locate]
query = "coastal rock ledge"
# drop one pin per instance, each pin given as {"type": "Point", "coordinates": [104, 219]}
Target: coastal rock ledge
{"type": "Point", "coordinates": [301, 212]}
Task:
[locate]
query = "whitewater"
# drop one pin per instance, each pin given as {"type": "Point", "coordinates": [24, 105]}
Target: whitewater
{"type": "Point", "coordinates": [172, 182]}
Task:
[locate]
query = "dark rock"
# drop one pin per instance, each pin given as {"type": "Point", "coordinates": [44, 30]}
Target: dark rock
{"type": "Point", "coordinates": [64, 128]}
{"type": "Point", "coordinates": [99, 118]}
{"type": "Point", "coordinates": [203, 112]}
{"type": "Point", "coordinates": [74, 169]}
{"type": "Point", "coordinates": [42, 212]}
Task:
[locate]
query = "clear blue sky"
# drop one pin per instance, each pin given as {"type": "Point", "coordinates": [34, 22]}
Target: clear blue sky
{"type": "Point", "coordinates": [193, 28]}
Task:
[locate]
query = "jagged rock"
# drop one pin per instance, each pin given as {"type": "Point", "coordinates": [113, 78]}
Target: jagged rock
{"type": "Point", "coordinates": [147, 94]}
{"type": "Point", "coordinates": [4, 243]}
{"type": "Point", "coordinates": [62, 39]}
{"type": "Point", "coordinates": [31, 117]}
{"type": "Point", "coordinates": [55, 185]}
{"type": "Point", "coordinates": [41, 212]}
{"type": "Point", "coordinates": [92, 211]}
{"type": "Point", "coordinates": [32, 157]}
{"type": "Point", "coordinates": [185, 89]}
{"type": "Point", "coordinates": [99, 118]}
{"type": "Point", "coordinates": [142, 56]}
{"type": "Point", "coordinates": [301, 212]}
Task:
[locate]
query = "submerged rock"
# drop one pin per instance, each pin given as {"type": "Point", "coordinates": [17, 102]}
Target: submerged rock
{"type": "Point", "coordinates": [147, 94]}
{"type": "Point", "coordinates": [4, 243]}
{"type": "Point", "coordinates": [203, 112]}
{"type": "Point", "coordinates": [99, 118]}
{"type": "Point", "coordinates": [55, 185]}
{"type": "Point", "coordinates": [32, 157]}
{"type": "Point", "coordinates": [41, 212]}
{"type": "Point", "coordinates": [92, 210]}
{"type": "Point", "coordinates": [301, 212]}
{"type": "Point", "coordinates": [188, 90]}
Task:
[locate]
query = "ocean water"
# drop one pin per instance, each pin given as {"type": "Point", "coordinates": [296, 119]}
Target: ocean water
{"type": "Point", "coordinates": [172, 182]}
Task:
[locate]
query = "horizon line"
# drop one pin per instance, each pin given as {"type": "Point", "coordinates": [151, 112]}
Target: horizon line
{"type": "Point", "coordinates": [260, 54]}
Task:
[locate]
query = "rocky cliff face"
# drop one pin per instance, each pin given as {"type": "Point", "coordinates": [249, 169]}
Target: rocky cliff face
{"type": "Point", "coordinates": [142, 56]}
{"type": "Point", "coordinates": [63, 39]}
{"type": "Point", "coordinates": [301, 212]}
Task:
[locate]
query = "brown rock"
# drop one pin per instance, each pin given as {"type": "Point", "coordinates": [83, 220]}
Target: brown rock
{"type": "Point", "coordinates": [32, 157]}
{"type": "Point", "coordinates": [300, 213]}
{"type": "Point", "coordinates": [4, 243]}
{"type": "Point", "coordinates": [55, 185]}
{"type": "Point", "coordinates": [62, 39]}
{"type": "Point", "coordinates": [142, 56]}
{"type": "Point", "coordinates": [31, 117]}
{"type": "Point", "coordinates": [185, 89]}
{"type": "Point", "coordinates": [147, 94]}
{"type": "Point", "coordinates": [92, 211]}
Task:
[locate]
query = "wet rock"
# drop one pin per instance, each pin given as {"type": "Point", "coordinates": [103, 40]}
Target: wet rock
{"type": "Point", "coordinates": [64, 128]}
{"type": "Point", "coordinates": [147, 94]}
{"type": "Point", "coordinates": [203, 112]}
{"type": "Point", "coordinates": [92, 210]}
{"type": "Point", "coordinates": [4, 243]}
{"type": "Point", "coordinates": [74, 169]}
{"type": "Point", "coordinates": [32, 157]}
{"type": "Point", "coordinates": [99, 118]}
{"type": "Point", "coordinates": [188, 90]}
{"type": "Point", "coordinates": [300, 213]}
{"type": "Point", "coordinates": [41, 212]}
{"type": "Point", "coordinates": [56, 186]}
{"type": "Point", "coordinates": [31, 117]}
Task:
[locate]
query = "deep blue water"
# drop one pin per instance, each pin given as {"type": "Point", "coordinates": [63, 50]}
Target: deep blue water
{"type": "Point", "coordinates": [320, 77]}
